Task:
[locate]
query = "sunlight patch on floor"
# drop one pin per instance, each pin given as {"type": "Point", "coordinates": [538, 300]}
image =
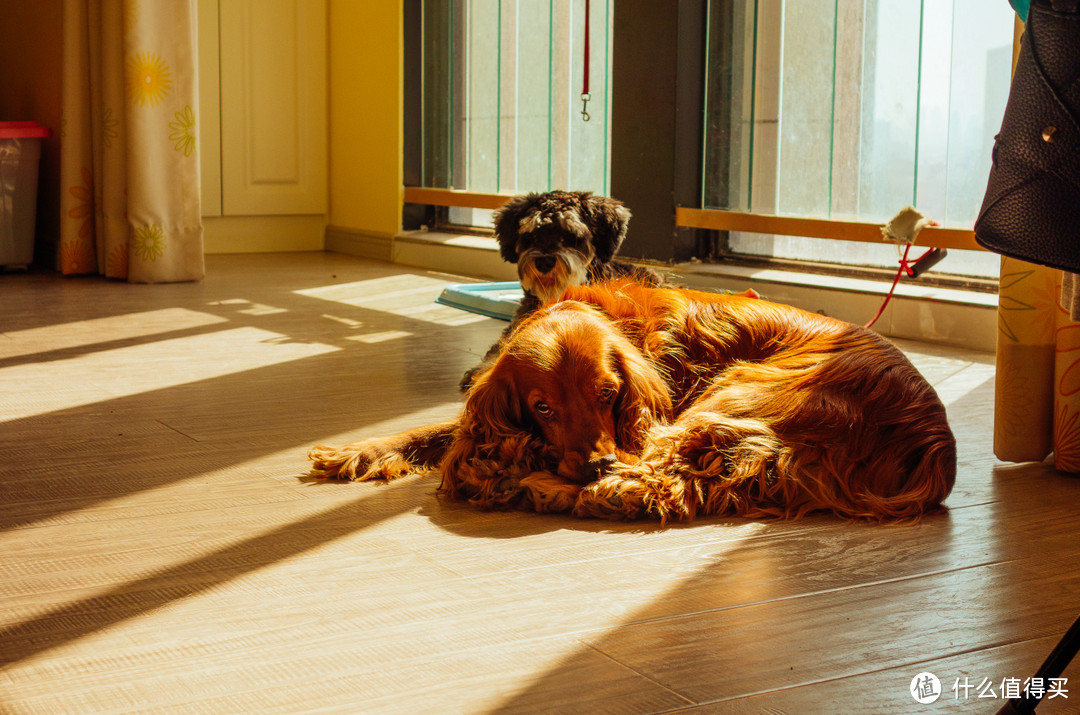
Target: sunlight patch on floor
{"type": "Point", "coordinates": [971, 379]}
{"type": "Point", "coordinates": [468, 623]}
{"type": "Point", "coordinates": [40, 388]}
{"type": "Point", "coordinates": [85, 333]}
{"type": "Point", "coordinates": [250, 308]}
{"type": "Point", "coordinates": [189, 573]}
{"type": "Point", "coordinates": [344, 321]}
{"type": "Point", "coordinates": [371, 338]}
{"type": "Point", "coordinates": [407, 295]}
{"type": "Point", "coordinates": [407, 420]}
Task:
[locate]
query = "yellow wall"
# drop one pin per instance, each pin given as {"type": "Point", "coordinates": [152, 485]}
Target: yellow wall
{"type": "Point", "coordinates": [365, 87]}
{"type": "Point", "coordinates": [30, 91]}
{"type": "Point", "coordinates": [365, 96]}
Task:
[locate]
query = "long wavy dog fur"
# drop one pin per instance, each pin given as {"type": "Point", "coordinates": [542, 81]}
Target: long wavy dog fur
{"type": "Point", "coordinates": [623, 401]}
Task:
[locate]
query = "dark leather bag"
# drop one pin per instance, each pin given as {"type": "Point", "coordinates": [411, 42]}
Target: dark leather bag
{"type": "Point", "coordinates": [1031, 209]}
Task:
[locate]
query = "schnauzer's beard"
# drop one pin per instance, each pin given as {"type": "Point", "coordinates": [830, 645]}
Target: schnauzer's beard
{"type": "Point", "coordinates": [571, 269]}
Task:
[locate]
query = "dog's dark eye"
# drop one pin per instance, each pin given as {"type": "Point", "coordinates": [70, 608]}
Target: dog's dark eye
{"type": "Point", "coordinates": [544, 410]}
{"type": "Point", "coordinates": [607, 394]}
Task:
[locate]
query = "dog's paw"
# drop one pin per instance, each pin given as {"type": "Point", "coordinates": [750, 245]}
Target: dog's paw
{"type": "Point", "coordinates": [358, 462]}
{"type": "Point", "coordinates": [550, 493]}
{"type": "Point", "coordinates": [635, 493]}
{"type": "Point", "coordinates": [613, 498]}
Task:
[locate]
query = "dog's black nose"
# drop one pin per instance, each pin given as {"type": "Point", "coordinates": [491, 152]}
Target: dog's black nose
{"type": "Point", "coordinates": [596, 468]}
{"type": "Point", "coordinates": [544, 263]}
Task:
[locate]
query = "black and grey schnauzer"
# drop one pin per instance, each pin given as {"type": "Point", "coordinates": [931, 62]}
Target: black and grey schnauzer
{"type": "Point", "coordinates": [561, 239]}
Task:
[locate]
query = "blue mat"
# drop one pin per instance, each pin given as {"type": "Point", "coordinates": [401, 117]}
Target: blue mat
{"type": "Point", "coordinates": [494, 300]}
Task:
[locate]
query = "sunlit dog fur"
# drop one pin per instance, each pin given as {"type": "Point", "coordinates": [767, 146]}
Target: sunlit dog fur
{"type": "Point", "coordinates": [561, 239]}
{"type": "Point", "coordinates": [624, 401]}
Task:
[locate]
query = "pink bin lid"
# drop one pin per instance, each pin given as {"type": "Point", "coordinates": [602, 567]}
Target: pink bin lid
{"type": "Point", "coordinates": [23, 130]}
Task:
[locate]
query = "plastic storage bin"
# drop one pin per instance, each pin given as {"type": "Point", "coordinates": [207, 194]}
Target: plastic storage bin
{"type": "Point", "coordinates": [20, 153]}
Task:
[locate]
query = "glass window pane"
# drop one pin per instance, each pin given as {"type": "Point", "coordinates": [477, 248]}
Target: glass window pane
{"type": "Point", "coordinates": [853, 253]}
{"type": "Point", "coordinates": [852, 110]}
{"type": "Point", "coordinates": [502, 95]}
{"type": "Point", "coordinates": [980, 66]}
{"type": "Point", "coordinates": [439, 23]}
{"type": "Point", "coordinates": [482, 100]}
{"type": "Point", "coordinates": [531, 108]}
{"type": "Point", "coordinates": [807, 70]}
{"type": "Point", "coordinates": [888, 108]}
{"type": "Point", "coordinates": [729, 104]}
{"type": "Point", "coordinates": [588, 140]}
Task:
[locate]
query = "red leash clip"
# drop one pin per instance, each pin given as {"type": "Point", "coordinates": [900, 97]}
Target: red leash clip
{"type": "Point", "coordinates": [928, 260]}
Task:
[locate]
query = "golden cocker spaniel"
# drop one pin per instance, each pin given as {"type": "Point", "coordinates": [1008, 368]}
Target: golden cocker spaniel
{"type": "Point", "coordinates": [624, 401]}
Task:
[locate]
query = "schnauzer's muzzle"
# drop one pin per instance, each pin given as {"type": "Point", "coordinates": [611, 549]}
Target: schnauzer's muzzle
{"type": "Point", "coordinates": [547, 275]}
{"type": "Point", "coordinates": [544, 264]}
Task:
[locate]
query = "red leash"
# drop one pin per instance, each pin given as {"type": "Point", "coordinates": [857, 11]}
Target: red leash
{"type": "Point", "coordinates": [913, 269]}
{"type": "Point", "coordinates": [585, 96]}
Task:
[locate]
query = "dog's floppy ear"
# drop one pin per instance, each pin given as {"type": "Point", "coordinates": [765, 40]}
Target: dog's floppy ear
{"type": "Point", "coordinates": [608, 219]}
{"type": "Point", "coordinates": [508, 224]}
{"type": "Point", "coordinates": [492, 408]}
{"type": "Point", "coordinates": [643, 398]}
{"type": "Point", "coordinates": [490, 453]}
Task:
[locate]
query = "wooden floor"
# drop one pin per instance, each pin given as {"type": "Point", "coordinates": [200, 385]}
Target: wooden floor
{"type": "Point", "coordinates": [161, 550]}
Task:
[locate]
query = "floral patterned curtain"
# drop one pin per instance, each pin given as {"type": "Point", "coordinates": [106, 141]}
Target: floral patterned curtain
{"type": "Point", "coordinates": [1037, 397]}
{"type": "Point", "coordinates": [129, 167]}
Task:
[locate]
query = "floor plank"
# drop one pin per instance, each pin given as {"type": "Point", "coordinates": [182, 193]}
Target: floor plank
{"type": "Point", "coordinates": [161, 551]}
